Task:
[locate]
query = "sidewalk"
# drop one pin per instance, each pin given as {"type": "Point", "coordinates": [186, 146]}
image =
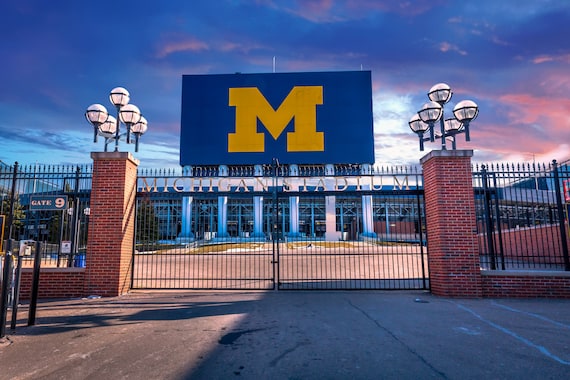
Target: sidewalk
{"type": "Point", "coordinates": [290, 335]}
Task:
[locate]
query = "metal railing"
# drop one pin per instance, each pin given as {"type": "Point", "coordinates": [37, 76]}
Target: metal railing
{"type": "Point", "coordinates": [522, 216]}
{"type": "Point", "coordinates": [50, 227]}
{"type": "Point", "coordinates": [286, 227]}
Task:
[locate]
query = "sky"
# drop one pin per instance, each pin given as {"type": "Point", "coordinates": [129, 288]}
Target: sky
{"type": "Point", "coordinates": [512, 57]}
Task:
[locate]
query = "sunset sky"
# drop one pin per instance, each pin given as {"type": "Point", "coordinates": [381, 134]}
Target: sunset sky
{"type": "Point", "coordinates": [511, 57]}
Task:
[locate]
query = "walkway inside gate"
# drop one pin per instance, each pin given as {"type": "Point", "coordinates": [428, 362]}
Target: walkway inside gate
{"type": "Point", "coordinates": [264, 235]}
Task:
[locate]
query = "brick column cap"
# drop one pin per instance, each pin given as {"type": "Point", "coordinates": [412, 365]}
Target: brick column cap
{"type": "Point", "coordinates": [110, 156]}
{"type": "Point", "coordinates": [446, 153]}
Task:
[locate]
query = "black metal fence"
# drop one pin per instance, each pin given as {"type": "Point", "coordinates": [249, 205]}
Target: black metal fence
{"type": "Point", "coordinates": [354, 227]}
{"type": "Point", "coordinates": [522, 216]}
{"type": "Point", "coordinates": [317, 227]}
{"type": "Point", "coordinates": [62, 232]}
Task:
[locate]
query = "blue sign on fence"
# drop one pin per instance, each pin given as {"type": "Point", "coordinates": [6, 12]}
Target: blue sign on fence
{"type": "Point", "coordinates": [48, 202]}
{"type": "Point", "coordinates": [302, 118]}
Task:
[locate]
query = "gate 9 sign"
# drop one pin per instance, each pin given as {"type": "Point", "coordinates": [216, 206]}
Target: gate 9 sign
{"type": "Point", "coordinates": [48, 202]}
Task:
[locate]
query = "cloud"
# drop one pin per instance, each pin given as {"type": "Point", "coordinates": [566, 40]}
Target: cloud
{"type": "Point", "coordinates": [331, 11]}
{"type": "Point", "coordinates": [393, 140]}
{"type": "Point", "coordinates": [528, 109]}
{"type": "Point", "coordinates": [229, 46]}
{"type": "Point", "coordinates": [498, 41]}
{"type": "Point", "coordinates": [317, 11]}
{"type": "Point", "coordinates": [190, 44]}
{"type": "Point", "coordinates": [447, 47]}
{"type": "Point", "coordinates": [564, 58]}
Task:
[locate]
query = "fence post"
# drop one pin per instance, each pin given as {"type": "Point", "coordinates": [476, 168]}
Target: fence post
{"type": "Point", "coordinates": [35, 285]}
{"type": "Point", "coordinates": [111, 224]}
{"type": "Point", "coordinates": [74, 219]}
{"type": "Point", "coordinates": [7, 267]}
{"type": "Point", "coordinates": [561, 222]}
{"type": "Point", "coordinates": [488, 219]}
{"type": "Point", "coordinates": [453, 252]}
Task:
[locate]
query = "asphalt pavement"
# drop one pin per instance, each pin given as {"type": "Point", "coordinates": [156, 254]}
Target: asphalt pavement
{"type": "Point", "coordinates": [290, 335]}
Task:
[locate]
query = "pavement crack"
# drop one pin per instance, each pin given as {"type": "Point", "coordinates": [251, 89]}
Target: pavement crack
{"type": "Point", "coordinates": [408, 348]}
{"type": "Point", "coordinates": [274, 362]}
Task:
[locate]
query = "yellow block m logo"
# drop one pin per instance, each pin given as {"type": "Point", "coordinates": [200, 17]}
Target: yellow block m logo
{"type": "Point", "coordinates": [300, 103]}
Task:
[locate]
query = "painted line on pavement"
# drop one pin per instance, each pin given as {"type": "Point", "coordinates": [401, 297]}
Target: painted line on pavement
{"type": "Point", "coordinates": [541, 349]}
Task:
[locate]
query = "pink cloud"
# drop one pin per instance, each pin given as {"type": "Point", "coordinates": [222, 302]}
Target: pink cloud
{"type": "Point", "coordinates": [521, 144]}
{"type": "Point", "coordinates": [187, 44]}
{"type": "Point", "coordinates": [542, 59]}
{"type": "Point", "coordinates": [447, 47]}
{"type": "Point", "coordinates": [233, 46]}
{"type": "Point", "coordinates": [329, 11]}
{"type": "Point", "coordinates": [406, 8]}
{"type": "Point", "coordinates": [536, 128]}
{"type": "Point", "coordinates": [565, 58]}
{"type": "Point", "coordinates": [318, 11]}
{"type": "Point", "coordinates": [527, 109]}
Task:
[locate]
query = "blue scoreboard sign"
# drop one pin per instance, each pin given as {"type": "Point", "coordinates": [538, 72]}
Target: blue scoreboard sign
{"type": "Point", "coordinates": [301, 118]}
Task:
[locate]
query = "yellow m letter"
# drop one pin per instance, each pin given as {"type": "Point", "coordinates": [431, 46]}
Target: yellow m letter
{"type": "Point", "coordinates": [251, 105]}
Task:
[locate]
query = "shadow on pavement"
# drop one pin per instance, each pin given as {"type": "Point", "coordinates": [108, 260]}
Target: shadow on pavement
{"type": "Point", "coordinates": [292, 335]}
{"type": "Point", "coordinates": [118, 313]}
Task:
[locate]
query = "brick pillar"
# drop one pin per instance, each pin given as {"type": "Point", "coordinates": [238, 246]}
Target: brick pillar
{"type": "Point", "coordinates": [111, 224]}
{"type": "Point", "coordinates": [453, 253]}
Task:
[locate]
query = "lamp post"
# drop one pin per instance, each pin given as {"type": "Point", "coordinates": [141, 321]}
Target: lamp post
{"type": "Point", "coordinates": [109, 126]}
{"type": "Point", "coordinates": [433, 111]}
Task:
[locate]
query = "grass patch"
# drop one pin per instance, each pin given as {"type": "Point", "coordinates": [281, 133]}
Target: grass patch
{"type": "Point", "coordinates": [395, 243]}
{"type": "Point", "coordinates": [224, 247]}
{"type": "Point", "coordinates": [320, 244]}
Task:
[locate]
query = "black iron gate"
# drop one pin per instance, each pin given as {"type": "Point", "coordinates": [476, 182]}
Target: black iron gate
{"type": "Point", "coordinates": [235, 234]}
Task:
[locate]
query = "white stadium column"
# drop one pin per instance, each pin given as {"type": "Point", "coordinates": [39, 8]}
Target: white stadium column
{"type": "Point", "coordinates": [186, 228]}
{"type": "Point", "coordinates": [293, 216]}
{"type": "Point", "coordinates": [222, 217]}
{"type": "Point", "coordinates": [258, 217]}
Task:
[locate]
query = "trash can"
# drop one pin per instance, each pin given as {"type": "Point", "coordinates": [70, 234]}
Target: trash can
{"type": "Point", "coordinates": [79, 261]}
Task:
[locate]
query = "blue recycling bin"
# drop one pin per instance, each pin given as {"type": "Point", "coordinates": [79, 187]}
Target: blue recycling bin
{"type": "Point", "coordinates": [79, 261]}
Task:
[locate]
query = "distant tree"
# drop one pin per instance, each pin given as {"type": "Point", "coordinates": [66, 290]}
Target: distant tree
{"type": "Point", "coordinates": [18, 217]}
{"type": "Point", "coordinates": [147, 223]}
{"type": "Point", "coordinates": [53, 227]}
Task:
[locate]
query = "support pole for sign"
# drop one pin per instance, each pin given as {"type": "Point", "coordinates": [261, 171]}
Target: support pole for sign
{"type": "Point", "coordinates": [74, 232]}
{"type": "Point", "coordinates": [6, 282]}
{"type": "Point", "coordinates": [6, 278]}
{"type": "Point", "coordinates": [59, 253]}
{"type": "Point", "coordinates": [35, 285]}
{"type": "Point", "coordinates": [16, 297]}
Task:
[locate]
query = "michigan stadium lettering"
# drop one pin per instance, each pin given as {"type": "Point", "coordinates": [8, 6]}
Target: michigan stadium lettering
{"type": "Point", "coordinates": [265, 184]}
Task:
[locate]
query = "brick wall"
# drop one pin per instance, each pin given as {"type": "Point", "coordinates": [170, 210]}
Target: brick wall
{"type": "Point", "coordinates": [54, 283]}
{"type": "Point", "coordinates": [111, 224]}
{"type": "Point", "coordinates": [527, 284]}
{"type": "Point", "coordinates": [450, 214]}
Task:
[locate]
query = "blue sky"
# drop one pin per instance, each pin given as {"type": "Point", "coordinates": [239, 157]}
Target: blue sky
{"type": "Point", "coordinates": [512, 57]}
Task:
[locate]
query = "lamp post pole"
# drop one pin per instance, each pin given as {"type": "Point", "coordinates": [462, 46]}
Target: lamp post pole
{"type": "Point", "coordinates": [433, 111]}
{"type": "Point", "coordinates": [109, 127]}
{"type": "Point", "coordinates": [119, 97]}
